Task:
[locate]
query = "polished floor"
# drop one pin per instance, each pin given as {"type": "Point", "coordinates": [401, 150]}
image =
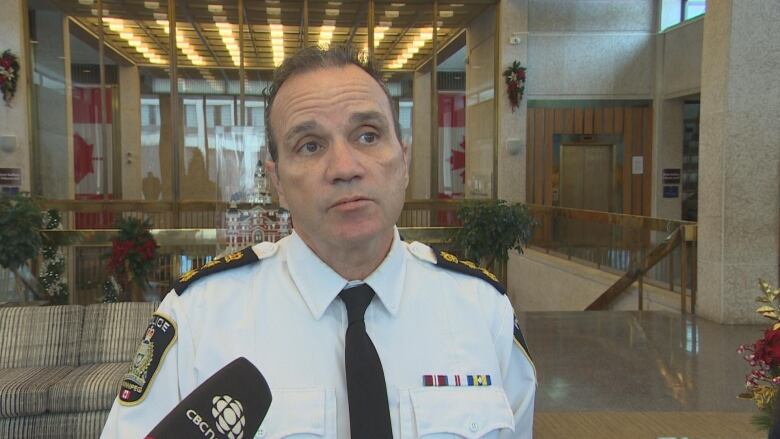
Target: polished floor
{"type": "Point", "coordinates": [616, 375]}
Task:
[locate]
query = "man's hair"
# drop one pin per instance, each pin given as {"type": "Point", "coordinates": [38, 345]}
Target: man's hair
{"type": "Point", "coordinates": [314, 58]}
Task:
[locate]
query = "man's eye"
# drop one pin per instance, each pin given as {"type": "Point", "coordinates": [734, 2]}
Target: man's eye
{"type": "Point", "coordinates": [368, 138]}
{"type": "Point", "coordinates": [309, 148]}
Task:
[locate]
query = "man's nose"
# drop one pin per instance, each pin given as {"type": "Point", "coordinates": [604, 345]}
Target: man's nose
{"type": "Point", "coordinates": [344, 162]}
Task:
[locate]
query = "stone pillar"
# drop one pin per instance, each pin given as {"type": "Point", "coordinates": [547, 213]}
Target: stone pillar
{"type": "Point", "coordinates": [130, 120]}
{"type": "Point", "coordinates": [739, 184]}
{"type": "Point", "coordinates": [512, 125]}
{"type": "Point", "coordinates": [14, 120]}
{"type": "Point", "coordinates": [420, 157]}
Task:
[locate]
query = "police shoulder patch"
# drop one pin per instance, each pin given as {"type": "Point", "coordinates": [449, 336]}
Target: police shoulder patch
{"type": "Point", "coordinates": [233, 260]}
{"type": "Point", "coordinates": [451, 262]}
{"type": "Point", "coordinates": [159, 337]}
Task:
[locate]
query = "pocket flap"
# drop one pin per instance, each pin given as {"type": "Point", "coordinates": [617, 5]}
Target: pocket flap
{"type": "Point", "coordinates": [470, 412]}
{"type": "Point", "coordinates": [294, 411]}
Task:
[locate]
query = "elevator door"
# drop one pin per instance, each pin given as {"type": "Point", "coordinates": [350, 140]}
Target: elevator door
{"type": "Point", "coordinates": [586, 177]}
{"type": "Point", "coordinates": [586, 183]}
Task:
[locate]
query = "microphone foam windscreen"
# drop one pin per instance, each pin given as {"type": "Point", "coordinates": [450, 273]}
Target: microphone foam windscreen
{"type": "Point", "coordinates": [231, 404]}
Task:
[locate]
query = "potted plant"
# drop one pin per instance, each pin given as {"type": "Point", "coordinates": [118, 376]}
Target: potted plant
{"type": "Point", "coordinates": [20, 239]}
{"type": "Point", "coordinates": [491, 228]}
{"type": "Point", "coordinates": [133, 253]}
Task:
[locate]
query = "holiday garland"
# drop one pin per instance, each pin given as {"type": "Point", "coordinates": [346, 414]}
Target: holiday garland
{"type": "Point", "coordinates": [514, 76]}
{"type": "Point", "coordinates": [762, 384]}
{"type": "Point", "coordinates": [9, 75]}
{"type": "Point", "coordinates": [53, 268]}
{"type": "Point", "coordinates": [132, 255]}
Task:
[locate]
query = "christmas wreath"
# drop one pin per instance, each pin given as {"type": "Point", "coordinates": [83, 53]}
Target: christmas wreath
{"type": "Point", "coordinates": [132, 258]}
{"type": "Point", "coordinates": [514, 76]}
{"type": "Point", "coordinates": [9, 75]}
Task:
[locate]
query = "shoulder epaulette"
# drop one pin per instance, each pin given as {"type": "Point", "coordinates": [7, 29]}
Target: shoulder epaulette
{"type": "Point", "coordinates": [451, 262]}
{"type": "Point", "coordinates": [233, 260]}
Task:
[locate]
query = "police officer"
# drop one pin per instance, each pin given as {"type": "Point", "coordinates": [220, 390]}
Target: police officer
{"type": "Point", "coordinates": [358, 333]}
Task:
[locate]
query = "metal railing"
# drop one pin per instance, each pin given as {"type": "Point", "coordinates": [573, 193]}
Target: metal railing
{"type": "Point", "coordinates": [641, 250]}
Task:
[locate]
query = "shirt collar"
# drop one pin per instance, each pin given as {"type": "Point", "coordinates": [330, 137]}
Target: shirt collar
{"type": "Point", "coordinates": [319, 284]}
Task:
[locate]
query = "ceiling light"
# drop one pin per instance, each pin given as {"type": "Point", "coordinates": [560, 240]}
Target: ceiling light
{"type": "Point", "coordinates": [116, 27]}
{"type": "Point", "coordinates": [215, 9]}
{"type": "Point", "coordinates": [126, 35]}
{"type": "Point", "coordinates": [426, 33]}
{"type": "Point", "coordinates": [412, 49]}
{"type": "Point", "coordinates": [223, 24]}
{"type": "Point", "coordinates": [95, 12]}
{"type": "Point", "coordinates": [161, 17]}
{"type": "Point", "coordinates": [398, 5]}
{"type": "Point", "coordinates": [334, 3]}
{"type": "Point", "coordinates": [446, 14]}
{"type": "Point", "coordinates": [86, 2]}
{"type": "Point", "coordinates": [142, 49]}
{"type": "Point", "coordinates": [277, 34]}
{"type": "Point", "coordinates": [332, 12]}
{"type": "Point", "coordinates": [162, 22]}
{"type": "Point", "coordinates": [273, 11]}
{"type": "Point", "coordinates": [418, 43]}
{"type": "Point", "coordinates": [151, 5]}
{"type": "Point", "coordinates": [391, 14]}
{"type": "Point", "coordinates": [134, 42]}
{"type": "Point", "coordinates": [225, 32]}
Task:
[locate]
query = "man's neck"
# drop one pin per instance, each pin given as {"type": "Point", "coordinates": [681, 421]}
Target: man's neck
{"type": "Point", "coordinates": [356, 262]}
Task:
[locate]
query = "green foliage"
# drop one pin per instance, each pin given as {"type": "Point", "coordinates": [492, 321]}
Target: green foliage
{"type": "Point", "coordinates": [20, 222]}
{"type": "Point", "coordinates": [133, 252]}
{"type": "Point", "coordinates": [51, 277]}
{"type": "Point", "coordinates": [491, 228]}
{"type": "Point", "coordinates": [110, 291]}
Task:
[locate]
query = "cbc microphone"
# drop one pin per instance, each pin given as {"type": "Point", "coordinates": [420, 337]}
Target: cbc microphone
{"type": "Point", "coordinates": [231, 404]}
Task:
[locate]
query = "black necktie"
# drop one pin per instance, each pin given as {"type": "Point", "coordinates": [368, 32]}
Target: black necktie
{"type": "Point", "coordinates": [369, 412]}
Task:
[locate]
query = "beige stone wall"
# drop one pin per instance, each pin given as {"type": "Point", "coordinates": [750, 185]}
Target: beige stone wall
{"type": "Point", "coordinates": [14, 120]}
{"type": "Point", "coordinates": [739, 176]}
{"type": "Point", "coordinates": [130, 123]}
{"type": "Point", "coordinates": [419, 184]}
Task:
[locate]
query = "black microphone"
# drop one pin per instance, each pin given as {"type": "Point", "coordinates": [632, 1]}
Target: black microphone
{"type": "Point", "coordinates": [231, 404]}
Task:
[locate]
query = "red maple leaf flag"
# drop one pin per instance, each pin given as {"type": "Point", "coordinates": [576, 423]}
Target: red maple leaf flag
{"type": "Point", "coordinates": [82, 157]}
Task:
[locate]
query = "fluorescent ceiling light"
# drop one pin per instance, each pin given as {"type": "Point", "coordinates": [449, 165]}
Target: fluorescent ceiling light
{"type": "Point", "coordinates": [391, 14]}
{"type": "Point", "coordinates": [446, 14]}
{"type": "Point", "coordinates": [215, 9]}
{"type": "Point", "coordinates": [332, 12]}
{"type": "Point", "coordinates": [151, 5]}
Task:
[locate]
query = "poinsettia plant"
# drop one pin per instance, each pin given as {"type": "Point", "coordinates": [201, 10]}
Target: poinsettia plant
{"type": "Point", "coordinates": [133, 253]}
{"type": "Point", "coordinates": [514, 76]}
{"type": "Point", "coordinates": [9, 75]}
{"type": "Point", "coordinates": [763, 381]}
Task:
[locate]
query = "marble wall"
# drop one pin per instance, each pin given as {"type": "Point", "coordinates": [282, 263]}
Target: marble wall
{"type": "Point", "coordinates": [14, 119]}
{"type": "Point", "coordinates": [739, 176]}
{"type": "Point", "coordinates": [419, 183]}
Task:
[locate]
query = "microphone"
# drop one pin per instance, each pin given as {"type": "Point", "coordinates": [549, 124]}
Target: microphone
{"type": "Point", "coordinates": [231, 404]}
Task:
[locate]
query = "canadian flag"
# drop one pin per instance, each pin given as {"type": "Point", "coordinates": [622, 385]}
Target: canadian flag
{"type": "Point", "coordinates": [90, 149]}
{"type": "Point", "coordinates": [452, 143]}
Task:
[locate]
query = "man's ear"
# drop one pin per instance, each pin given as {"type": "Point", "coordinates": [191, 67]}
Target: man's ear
{"type": "Point", "coordinates": [272, 171]}
{"type": "Point", "coordinates": [405, 151]}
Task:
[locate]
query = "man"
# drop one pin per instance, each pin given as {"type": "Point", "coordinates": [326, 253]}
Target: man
{"type": "Point", "coordinates": [357, 333]}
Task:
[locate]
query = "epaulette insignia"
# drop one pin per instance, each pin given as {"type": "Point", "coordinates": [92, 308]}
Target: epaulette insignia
{"type": "Point", "coordinates": [519, 339]}
{"type": "Point", "coordinates": [233, 260]}
{"type": "Point", "coordinates": [451, 262]}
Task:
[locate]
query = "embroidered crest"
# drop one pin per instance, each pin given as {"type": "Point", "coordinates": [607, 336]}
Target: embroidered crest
{"type": "Point", "coordinates": [233, 260]}
{"type": "Point", "coordinates": [159, 337]}
{"type": "Point", "coordinates": [451, 262]}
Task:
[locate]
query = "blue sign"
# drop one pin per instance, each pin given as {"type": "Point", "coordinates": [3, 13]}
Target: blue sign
{"type": "Point", "coordinates": [671, 191]}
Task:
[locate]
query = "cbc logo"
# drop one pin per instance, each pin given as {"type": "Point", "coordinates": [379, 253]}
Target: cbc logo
{"type": "Point", "coordinates": [229, 414]}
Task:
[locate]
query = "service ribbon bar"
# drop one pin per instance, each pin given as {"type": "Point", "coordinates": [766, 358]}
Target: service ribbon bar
{"type": "Point", "coordinates": [456, 380]}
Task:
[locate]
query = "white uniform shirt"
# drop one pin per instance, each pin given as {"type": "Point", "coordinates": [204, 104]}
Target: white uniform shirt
{"type": "Point", "coordinates": [284, 315]}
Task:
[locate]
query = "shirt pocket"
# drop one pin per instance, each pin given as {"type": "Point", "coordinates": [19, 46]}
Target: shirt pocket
{"type": "Point", "coordinates": [456, 412]}
{"type": "Point", "coordinates": [300, 414]}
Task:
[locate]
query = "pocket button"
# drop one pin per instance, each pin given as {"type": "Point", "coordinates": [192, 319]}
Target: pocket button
{"type": "Point", "coordinates": [474, 427]}
{"type": "Point", "coordinates": [260, 432]}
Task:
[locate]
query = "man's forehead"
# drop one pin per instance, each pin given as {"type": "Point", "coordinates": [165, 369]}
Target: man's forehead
{"type": "Point", "coordinates": [329, 81]}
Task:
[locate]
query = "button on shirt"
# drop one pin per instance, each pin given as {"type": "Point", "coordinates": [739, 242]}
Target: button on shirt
{"type": "Point", "coordinates": [283, 314]}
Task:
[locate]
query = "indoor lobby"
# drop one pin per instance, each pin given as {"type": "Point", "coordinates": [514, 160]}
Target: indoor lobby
{"type": "Point", "coordinates": [637, 143]}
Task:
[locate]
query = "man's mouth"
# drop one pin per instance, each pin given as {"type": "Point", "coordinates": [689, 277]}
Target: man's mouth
{"type": "Point", "coordinates": [349, 202]}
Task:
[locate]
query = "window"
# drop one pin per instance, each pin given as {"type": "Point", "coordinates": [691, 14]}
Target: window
{"type": "Point", "coordinates": [674, 12]}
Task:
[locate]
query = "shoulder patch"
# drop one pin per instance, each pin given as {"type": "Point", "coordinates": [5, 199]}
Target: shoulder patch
{"type": "Point", "coordinates": [519, 339]}
{"type": "Point", "coordinates": [233, 260]}
{"type": "Point", "coordinates": [451, 262]}
{"type": "Point", "coordinates": [159, 337]}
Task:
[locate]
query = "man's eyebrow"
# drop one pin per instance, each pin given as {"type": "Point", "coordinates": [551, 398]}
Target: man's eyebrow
{"type": "Point", "coordinates": [302, 127]}
{"type": "Point", "coordinates": [367, 116]}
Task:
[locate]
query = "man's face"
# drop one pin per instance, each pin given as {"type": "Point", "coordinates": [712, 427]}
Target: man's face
{"type": "Point", "coordinates": [341, 170]}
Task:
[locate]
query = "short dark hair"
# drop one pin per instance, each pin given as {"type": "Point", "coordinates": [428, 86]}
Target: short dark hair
{"type": "Point", "coordinates": [313, 58]}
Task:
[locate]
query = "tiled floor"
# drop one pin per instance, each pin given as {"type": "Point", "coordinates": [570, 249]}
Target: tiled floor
{"type": "Point", "coordinates": [636, 361]}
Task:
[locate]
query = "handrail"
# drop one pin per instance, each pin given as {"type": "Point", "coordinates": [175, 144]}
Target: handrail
{"type": "Point", "coordinates": [635, 272]}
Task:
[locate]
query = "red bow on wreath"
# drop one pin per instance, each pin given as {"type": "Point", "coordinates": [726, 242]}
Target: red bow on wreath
{"type": "Point", "coordinates": [514, 76]}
